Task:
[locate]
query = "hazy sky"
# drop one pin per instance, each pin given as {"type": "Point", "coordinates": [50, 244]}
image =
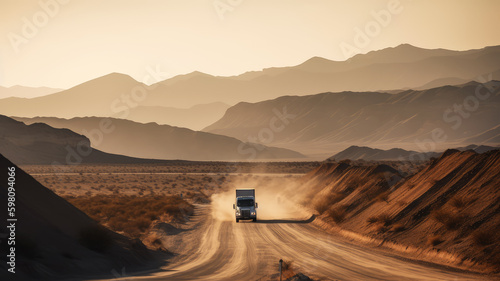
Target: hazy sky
{"type": "Point", "coordinates": [72, 41]}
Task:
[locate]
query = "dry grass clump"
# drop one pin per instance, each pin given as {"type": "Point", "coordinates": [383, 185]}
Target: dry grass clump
{"type": "Point", "coordinates": [483, 237]}
{"type": "Point", "coordinates": [459, 202]}
{"type": "Point", "coordinates": [382, 222]}
{"type": "Point", "coordinates": [380, 228]}
{"type": "Point", "coordinates": [322, 206]}
{"type": "Point", "coordinates": [325, 202]}
{"type": "Point", "coordinates": [288, 269]}
{"type": "Point", "coordinates": [154, 241]}
{"type": "Point", "coordinates": [397, 227]}
{"type": "Point", "coordinates": [385, 219]}
{"type": "Point", "coordinates": [434, 240]}
{"type": "Point", "coordinates": [130, 214]}
{"type": "Point", "coordinates": [372, 219]}
{"type": "Point", "coordinates": [337, 213]}
{"type": "Point", "coordinates": [450, 220]}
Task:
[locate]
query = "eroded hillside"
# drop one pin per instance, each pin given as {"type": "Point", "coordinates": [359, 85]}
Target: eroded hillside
{"type": "Point", "coordinates": [449, 209]}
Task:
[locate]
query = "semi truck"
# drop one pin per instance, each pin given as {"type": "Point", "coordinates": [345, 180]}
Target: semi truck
{"type": "Point", "coordinates": [245, 207]}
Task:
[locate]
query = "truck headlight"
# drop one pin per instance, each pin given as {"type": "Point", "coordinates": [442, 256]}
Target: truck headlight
{"type": "Point", "coordinates": [253, 213]}
{"type": "Point", "coordinates": [237, 212]}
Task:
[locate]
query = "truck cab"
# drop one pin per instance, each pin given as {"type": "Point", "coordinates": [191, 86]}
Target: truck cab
{"type": "Point", "coordinates": [245, 206]}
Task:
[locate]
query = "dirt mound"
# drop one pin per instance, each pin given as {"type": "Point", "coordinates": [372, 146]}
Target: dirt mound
{"type": "Point", "coordinates": [56, 240]}
{"type": "Point", "coordinates": [448, 209]}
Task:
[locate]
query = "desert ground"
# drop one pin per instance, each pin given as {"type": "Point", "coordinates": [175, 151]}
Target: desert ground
{"type": "Point", "coordinates": [185, 211]}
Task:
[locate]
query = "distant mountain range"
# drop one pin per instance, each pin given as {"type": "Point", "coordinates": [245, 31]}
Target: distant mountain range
{"type": "Point", "coordinates": [401, 67]}
{"type": "Point", "coordinates": [153, 141]}
{"type": "Point", "coordinates": [396, 154]}
{"type": "Point", "coordinates": [373, 154]}
{"type": "Point", "coordinates": [196, 117]}
{"type": "Point", "coordinates": [113, 95]}
{"type": "Point", "coordinates": [120, 96]}
{"type": "Point", "coordinates": [447, 116]}
{"type": "Point", "coordinates": [41, 144]}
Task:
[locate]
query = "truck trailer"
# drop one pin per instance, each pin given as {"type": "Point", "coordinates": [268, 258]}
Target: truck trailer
{"type": "Point", "coordinates": [245, 207]}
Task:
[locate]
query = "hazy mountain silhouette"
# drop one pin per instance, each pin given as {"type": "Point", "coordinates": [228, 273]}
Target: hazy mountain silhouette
{"type": "Point", "coordinates": [401, 67]}
{"type": "Point", "coordinates": [396, 154]}
{"type": "Point", "coordinates": [162, 141]}
{"type": "Point", "coordinates": [478, 148]}
{"type": "Point", "coordinates": [404, 66]}
{"type": "Point", "coordinates": [332, 121]}
{"type": "Point", "coordinates": [87, 99]}
{"type": "Point", "coordinates": [196, 117]}
{"type": "Point", "coordinates": [113, 95]}
{"type": "Point", "coordinates": [374, 154]}
{"type": "Point", "coordinates": [26, 92]}
{"type": "Point", "coordinates": [442, 81]}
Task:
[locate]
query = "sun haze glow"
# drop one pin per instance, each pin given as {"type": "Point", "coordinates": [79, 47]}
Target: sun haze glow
{"type": "Point", "coordinates": [60, 43]}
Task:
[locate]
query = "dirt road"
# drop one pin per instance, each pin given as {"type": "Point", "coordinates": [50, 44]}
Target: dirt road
{"type": "Point", "coordinates": [226, 250]}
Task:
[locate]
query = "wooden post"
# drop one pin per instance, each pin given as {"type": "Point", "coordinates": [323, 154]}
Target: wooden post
{"type": "Point", "coordinates": [281, 267]}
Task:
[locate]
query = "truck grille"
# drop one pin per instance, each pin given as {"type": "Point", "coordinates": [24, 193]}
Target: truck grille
{"type": "Point", "coordinates": [245, 213]}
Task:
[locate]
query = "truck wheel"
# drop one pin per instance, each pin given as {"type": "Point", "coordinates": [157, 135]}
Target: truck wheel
{"type": "Point", "coordinates": [254, 220]}
{"type": "Point", "coordinates": [237, 220]}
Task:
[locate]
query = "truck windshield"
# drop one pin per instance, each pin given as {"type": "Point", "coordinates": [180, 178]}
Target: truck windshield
{"type": "Point", "coordinates": [245, 202]}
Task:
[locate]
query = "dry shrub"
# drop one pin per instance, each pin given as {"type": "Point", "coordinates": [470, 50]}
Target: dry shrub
{"type": "Point", "coordinates": [459, 202]}
{"type": "Point", "coordinates": [382, 223]}
{"type": "Point", "coordinates": [130, 214]}
{"type": "Point", "coordinates": [156, 241]}
{"type": "Point", "coordinates": [483, 237]}
{"type": "Point", "coordinates": [372, 219]}
{"type": "Point", "coordinates": [397, 227]}
{"type": "Point", "coordinates": [434, 240]}
{"type": "Point", "coordinates": [385, 219]}
{"type": "Point", "coordinates": [380, 228]}
{"type": "Point", "coordinates": [287, 265]}
{"type": "Point", "coordinates": [450, 220]}
{"type": "Point", "coordinates": [338, 213]}
{"type": "Point", "coordinates": [287, 269]}
{"type": "Point", "coordinates": [324, 203]}
{"type": "Point", "coordinates": [153, 241]}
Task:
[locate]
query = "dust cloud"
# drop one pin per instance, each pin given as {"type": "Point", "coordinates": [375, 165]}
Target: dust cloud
{"type": "Point", "coordinates": [272, 193]}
